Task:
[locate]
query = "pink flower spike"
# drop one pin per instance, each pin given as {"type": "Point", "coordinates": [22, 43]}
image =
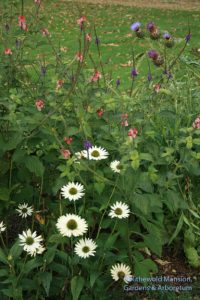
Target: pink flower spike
{"type": "Point", "coordinates": [124, 123]}
{"type": "Point", "coordinates": [8, 51]}
{"type": "Point", "coordinates": [68, 140]}
{"type": "Point", "coordinates": [196, 123]}
{"type": "Point", "coordinates": [21, 19]}
{"type": "Point", "coordinates": [132, 133]}
{"type": "Point", "coordinates": [65, 153]}
{"type": "Point", "coordinates": [81, 20]}
{"type": "Point", "coordinates": [96, 76]}
{"type": "Point", "coordinates": [59, 83]}
{"type": "Point", "coordinates": [39, 104]}
{"type": "Point", "coordinates": [157, 87]}
{"type": "Point", "coordinates": [124, 116]}
{"type": "Point", "coordinates": [38, 2]}
{"type": "Point", "coordinates": [88, 37]}
{"type": "Point", "coordinates": [45, 31]}
{"type": "Point", "coordinates": [100, 112]}
{"type": "Point", "coordinates": [79, 57]}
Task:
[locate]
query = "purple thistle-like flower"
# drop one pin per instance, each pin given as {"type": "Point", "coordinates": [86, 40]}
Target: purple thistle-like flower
{"type": "Point", "coordinates": [149, 77]}
{"type": "Point", "coordinates": [150, 26]}
{"type": "Point", "coordinates": [135, 26]}
{"type": "Point", "coordinates": [87, 145]}
{"type": "Point", "coordinates": [166, 36]}
{"type": "Point", "coordinates": [134, 72]}
{"type": "Point", "coordinates": [153, 54]}
{"type": "Point", "coordinates": [118, 82]}
{"type": "Point", "coordinates": [188, 37]}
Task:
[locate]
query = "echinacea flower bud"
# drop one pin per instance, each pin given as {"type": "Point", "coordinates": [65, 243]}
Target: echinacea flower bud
{"type": "Point", "coordinates": [118, 82]}
{"type": "Point", "coordinates": [149, 77]}
{"type": "Point", "coordinates": [65, 153]}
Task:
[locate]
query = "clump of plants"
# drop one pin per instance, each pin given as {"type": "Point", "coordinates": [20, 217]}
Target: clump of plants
{"type": "Point", "coordinates": [95, 180]}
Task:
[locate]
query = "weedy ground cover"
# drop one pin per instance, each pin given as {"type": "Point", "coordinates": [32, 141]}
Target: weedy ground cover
{"type": "Point", "coordinates": [99, 150]}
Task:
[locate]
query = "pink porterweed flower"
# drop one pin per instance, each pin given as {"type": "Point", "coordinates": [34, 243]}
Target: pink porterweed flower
{"type": "Point", "coordinates": [59, 83]}
{"type": "Point", "coordinates": [157, 87]}
{"type": "Point", "coordinates": [22, 23]}
{"type": "Point", "coordinates": [81, 20]}
{"type": "Point", "coordinates": [88, 37]}
{"type": "Point", "coordinates": [68, 140]}
{"type": "Point", "coordinates": [8, 51]}
{"type": "Point", "coordinates": [39, 104]}
{"type": "Point", "coordinates": [132, 133]}
{"type": "Point", "coordinates": [65, 153]}
{"type": "Point", "coordinates": [38, 2]}
{"type": "Point", "coordinates": [96, 76]}
{"type": "Point", "coordinates": [79, 56]}
{"type": "Point", "coordinates": [124, 121]}
{"type": "Point", "coordinates": [196, 123]}
{"type": "Point", "coordinates": [100, 112]}
{"type": "Point", "coordinates": [45, 31]}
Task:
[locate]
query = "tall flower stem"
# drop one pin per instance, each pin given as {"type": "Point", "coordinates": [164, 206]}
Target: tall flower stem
{"type": "Point", "coordinates": [102, 217]}
{"type": "Point", "coordinates": [22, 7]}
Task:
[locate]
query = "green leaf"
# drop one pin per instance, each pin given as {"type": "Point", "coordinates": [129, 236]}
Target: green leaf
{"type": "Point", "coordinates": [110, 241]}
{"type": "Point", "coordinates": [16, 250]}
{"type": "Point", "coordinates": [99, 187]}
{"type": "Point", "coordinates": [3, 257]}
{"type": "Point", "coordinates": [34, 165]}
{"type": "Point", "coordinates": [93, 277]}
{"type": "Point", "coordinates": [143, 268]}
{"type": "Point", "coordinates": [178, 228]}
{"type": "Point", "coordinates": [31, 265]}
{"type": "Point", "coordinates": [77, 284]}
{"type": "Point", "coordinates": [4, 194]}
{"type": "Point", "coordinates": [46, 279]}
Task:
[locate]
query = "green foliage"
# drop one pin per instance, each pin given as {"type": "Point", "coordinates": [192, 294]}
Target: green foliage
{"type": "Point", "coordinates": [158, 175]}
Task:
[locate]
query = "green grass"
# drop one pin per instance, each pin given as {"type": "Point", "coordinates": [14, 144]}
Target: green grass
{"type": "Point", "coordinates": [113, 28]}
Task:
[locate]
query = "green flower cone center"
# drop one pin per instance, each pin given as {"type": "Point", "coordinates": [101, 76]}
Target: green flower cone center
{"type": "Point", "coordinates": [24, 210]}
{"type": "Point", "coordinates": [73, 191]}
{"type": "Point", "coordinates": [119, 167]}
{"type": "Point", "coordinates": [29, 241]}
{"type": "Point", "coordinates": [72, 224]}
{"type": "Point", "coordinates": [95, 153]}
{"type": "Point", "coordinates": [86, 249]}
{"type": "Point", "coordinates": [118, 211]}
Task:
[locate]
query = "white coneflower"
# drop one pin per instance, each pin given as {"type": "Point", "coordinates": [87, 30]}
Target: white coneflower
{"type": "Point", "coordinates": [24, 210]}
{"type": "Point", "coordinates": [119, 210]}
{"type": "Point", "coordinates": [73, 191]}
{"type": "Point", "coordinates": [119, 271]}
{"type": "Point", "coordinates": [39, 250]}
{"type": "Point", "coordinates": [115, 166]}
{"type": "Point", "coordinates": [95, 153]}
{"type": "Point", "coordinates": [30, 241]}
{"type": "Point", "coordinates": [2, 227]}
{"type": "Point", "coordinates": [71, 225]}
{"type": "Point", "coordinates": [85, 248]}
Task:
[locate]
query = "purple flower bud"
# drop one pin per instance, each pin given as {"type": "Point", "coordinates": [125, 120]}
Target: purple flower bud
{"type": "Point", "coordinates": [97, 41]}
{"type": "Point", "coordinates": [118, 82]}
{"type": "Point", "coordinates": [43, 70]}
{"type": "Point", "coordinates": [87, 145]}
{"type": "Point", "coordinates": [166, 36]}
{"type": "Point", "coordinates": [188, 37]}
{"type": "Point", "coordinates": [134, 73]}
{"type": "Point", "coordinates": [135, 26]}
{"type": "Point", "coordinates": [18, 43]}
{"type": "Point", "coordinates": [153, 54]}
{"type": "Point", "coordinates": [149, 76]}
{"type": "Point", "coordinates": [150, 26]}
